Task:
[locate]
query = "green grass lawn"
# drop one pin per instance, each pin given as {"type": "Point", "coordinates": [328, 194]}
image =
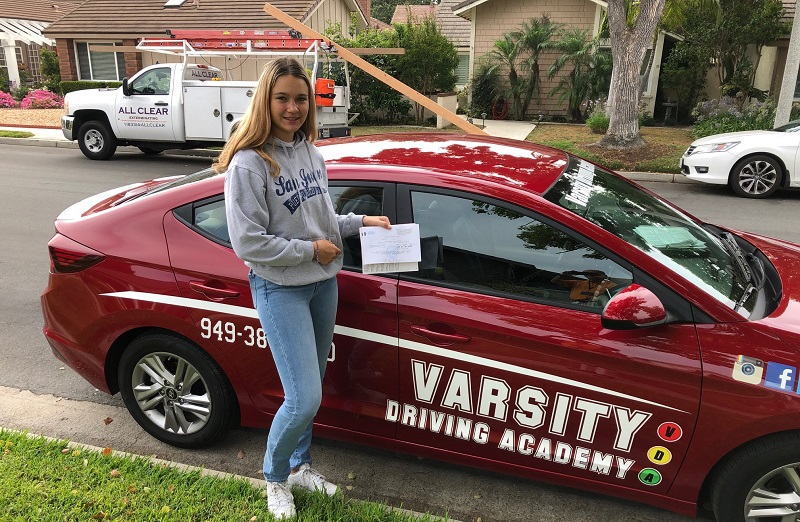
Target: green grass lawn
{"type": "Point", "coordinates": [15, 134]}
{"type": "Point", "coordinates": [48, 481]}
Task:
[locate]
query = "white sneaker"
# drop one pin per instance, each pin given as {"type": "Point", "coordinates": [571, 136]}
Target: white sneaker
{"type": "Point", "coordinates": [280, 501]}
{"type": "Point", "coordinates": [312, 480]}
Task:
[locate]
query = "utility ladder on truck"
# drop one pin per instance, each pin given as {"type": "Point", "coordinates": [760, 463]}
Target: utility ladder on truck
{"type": "Point", "coordinates": [209, 43]}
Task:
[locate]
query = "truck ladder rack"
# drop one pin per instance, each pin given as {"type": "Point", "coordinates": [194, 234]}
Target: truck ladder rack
{"type": "Point", "coordinates": [222, 43]}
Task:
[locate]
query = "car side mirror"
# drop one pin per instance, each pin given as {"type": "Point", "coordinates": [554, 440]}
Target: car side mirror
{"type": "Point", "coordinates": [126, 90]}
{"type": "Point", "coordinates": [633, 307]}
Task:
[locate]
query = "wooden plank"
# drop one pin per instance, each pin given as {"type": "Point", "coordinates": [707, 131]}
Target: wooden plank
{"type": "Point", "coordinates": [377, 73]}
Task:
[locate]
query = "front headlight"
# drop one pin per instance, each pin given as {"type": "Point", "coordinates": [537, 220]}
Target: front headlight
{"type": "Point", "coordinates": [715, 147]}
{"type": "Point", "coordinates": [66, 107]}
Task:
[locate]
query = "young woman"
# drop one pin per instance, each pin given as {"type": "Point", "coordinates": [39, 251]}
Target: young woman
{"type": "Point", "coordinates": [283, 226]}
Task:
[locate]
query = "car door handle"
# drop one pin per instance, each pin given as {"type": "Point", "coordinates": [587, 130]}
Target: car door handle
{"type": "Point", "coordinates": [161, 104]}
{"type": "Point", "coordinates": [212, 292]}
{"type": "Point", "coordinates": [439, 336]}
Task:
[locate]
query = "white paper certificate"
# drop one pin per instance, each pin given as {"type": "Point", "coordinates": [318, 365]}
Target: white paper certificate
{"type": "Point", "coordinates": [393, 250]}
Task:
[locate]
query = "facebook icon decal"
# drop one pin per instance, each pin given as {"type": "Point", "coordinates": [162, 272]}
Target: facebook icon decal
{"type": "Point", "coordinates": [780, 376]}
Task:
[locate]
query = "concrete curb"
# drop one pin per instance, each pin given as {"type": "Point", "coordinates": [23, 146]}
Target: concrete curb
{"type": "Point", "coordinates": [64, 144]}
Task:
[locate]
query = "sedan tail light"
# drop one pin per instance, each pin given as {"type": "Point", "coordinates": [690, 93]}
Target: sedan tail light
{"type": "Point", "coordinates": [68, 256]}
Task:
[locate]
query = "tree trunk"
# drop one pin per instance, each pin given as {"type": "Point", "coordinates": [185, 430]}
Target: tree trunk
{"type": "Point", "coordinates": [627, 51]}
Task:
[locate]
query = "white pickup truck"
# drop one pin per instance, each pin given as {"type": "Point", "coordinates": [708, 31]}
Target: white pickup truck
{"type": "Point", "coordinates": [172, 106]}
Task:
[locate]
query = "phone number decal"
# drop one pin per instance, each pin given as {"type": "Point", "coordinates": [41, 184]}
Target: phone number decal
{"type": "Point", "coordinates": [225, 331]}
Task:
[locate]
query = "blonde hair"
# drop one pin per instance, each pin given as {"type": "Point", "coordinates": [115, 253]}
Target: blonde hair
{"type": "Point", "coordinates": [255, 126]}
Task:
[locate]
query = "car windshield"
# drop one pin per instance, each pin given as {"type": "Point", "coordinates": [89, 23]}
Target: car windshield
{"type": "Point", "coordinates": [651, 225]}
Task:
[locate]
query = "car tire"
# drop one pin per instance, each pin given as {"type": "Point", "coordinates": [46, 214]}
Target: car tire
{"type": "Point", "coordinates": [149, 151]}
{"type": "Point", "coordinates": [96, 140]}
{"type": "Point", "coordinates": [756, 176]}
{"type": "Point", "coordinates": [760, 482]}
{"type": "Point", "coordinates": [193, 405]}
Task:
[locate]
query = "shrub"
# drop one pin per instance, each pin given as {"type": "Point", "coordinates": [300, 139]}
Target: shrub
{"type": "Point", "coordinates": [5, 86]}
{"type": "Point", "coordinates": [598, 120]}
{"type": "Point", "coordinates": [41, 99]}
{"type": "Point", "coordinates": [6, 100]}
{"type": "Point", "coordinates": [20, 92]}
{"type": "Point", "coordinates": [69, 86]}
{"type": "Point", "coordinates": [724, 115]}
{"type": "Point", "coordinates": [50, 69]}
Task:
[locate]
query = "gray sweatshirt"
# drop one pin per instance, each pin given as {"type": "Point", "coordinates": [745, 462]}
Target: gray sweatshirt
{"type": "Point", "coordinates": [273, 221]}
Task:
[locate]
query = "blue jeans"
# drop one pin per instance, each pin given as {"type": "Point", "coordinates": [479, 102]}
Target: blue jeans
{"type": "Point", "coordinates": [298, 322]}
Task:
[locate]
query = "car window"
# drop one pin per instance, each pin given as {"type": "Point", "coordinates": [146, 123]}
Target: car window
{"type": "Point", "coordinates": [367, 200]}
{"type": "Point", "coordinates": [493, 248]}
{"type": "Point", "coordinates": [154, 81]}
{"type": "Point", "coordinates": [210, 218]}
{"type": "Point", "coordinates": [207, 217]}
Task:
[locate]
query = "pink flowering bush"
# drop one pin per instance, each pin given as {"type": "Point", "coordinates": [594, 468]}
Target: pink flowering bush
{"type": "Point", "coordinates": [41, 99]}
{"type": "Point", "coordinates": [6, 100]}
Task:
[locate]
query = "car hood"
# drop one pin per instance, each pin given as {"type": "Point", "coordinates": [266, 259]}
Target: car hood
{"type": "Point", "coordinates": [737, 136]}
{"type": "Point", "coordinates": [785, 319]}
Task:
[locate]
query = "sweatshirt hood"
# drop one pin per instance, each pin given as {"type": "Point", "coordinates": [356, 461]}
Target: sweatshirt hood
{"type": "Point", "coordinates": [289, 148]}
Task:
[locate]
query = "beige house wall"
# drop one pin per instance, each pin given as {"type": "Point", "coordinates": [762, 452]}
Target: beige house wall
{"type": "Point", "coordinates": [492, 19]}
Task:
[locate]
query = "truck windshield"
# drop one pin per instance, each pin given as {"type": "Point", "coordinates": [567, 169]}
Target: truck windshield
{"type": "Point", "coordinates": [663, 232]}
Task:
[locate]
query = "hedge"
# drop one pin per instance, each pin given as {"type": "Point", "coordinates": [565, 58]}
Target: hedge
{"type": "Point", "coordinates": [69, 86]}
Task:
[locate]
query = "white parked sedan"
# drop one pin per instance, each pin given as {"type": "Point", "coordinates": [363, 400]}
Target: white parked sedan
{"type": "Point", "coordinates": [754, 163]}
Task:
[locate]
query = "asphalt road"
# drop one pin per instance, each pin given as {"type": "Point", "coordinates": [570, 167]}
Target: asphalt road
{"type": "Point", "coordinates": [40, 394]}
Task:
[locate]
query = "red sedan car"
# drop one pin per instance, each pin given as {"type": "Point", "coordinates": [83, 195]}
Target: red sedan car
{"type": "Point", "coordinates": [564, 324]}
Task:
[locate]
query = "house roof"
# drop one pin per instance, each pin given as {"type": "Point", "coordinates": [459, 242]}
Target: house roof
{"type": "Point", "coordinates": [405, 12]}
{"type": "Point", "coordinates": [789, 7]}
{"type": "Point", "coordinates": [455, 28]}
{"type": "Point", "coordinates": [37, 10]}
{"type": "Point", "coordinates": [99, 18]}
{"type": "Point", "coordinates": [462, 8]}
{"type": "Point", "coordinates": [378, 24]}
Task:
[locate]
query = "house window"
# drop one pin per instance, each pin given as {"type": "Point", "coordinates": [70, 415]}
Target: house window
{"type": "Point", "coordinates": [462, 69]}
{"type": "Point", "coordinates": [98, 65]}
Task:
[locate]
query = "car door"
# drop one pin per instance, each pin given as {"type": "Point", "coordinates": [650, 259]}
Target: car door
{"type": "Point", "coordinates": [147, 114]}
{"type": "Point", "coordinates": [214, 283]}
{"type": "Point", "coordinates": [503, 357]}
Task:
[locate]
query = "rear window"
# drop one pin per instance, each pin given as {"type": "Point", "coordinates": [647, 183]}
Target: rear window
{"type": "Point", "coordinates": [183, 180]}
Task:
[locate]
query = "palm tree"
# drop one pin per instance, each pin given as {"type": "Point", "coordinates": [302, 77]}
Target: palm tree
{"type": "Point", "coordinates": [577, 49]}
{"type": "Point", "coordinates": [534, 38]}
{"type": "Point", "coordinates": [505, 51]}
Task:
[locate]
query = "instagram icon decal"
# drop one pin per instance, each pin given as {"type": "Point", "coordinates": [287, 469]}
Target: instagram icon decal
{"type": "Point", "coordinates": [748, 369]}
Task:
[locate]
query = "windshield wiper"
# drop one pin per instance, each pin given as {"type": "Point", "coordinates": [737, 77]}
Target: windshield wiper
{"type": "Point", "coordinates": [736, 253]}
{"type": "Point", "coordinates": [755, 279]}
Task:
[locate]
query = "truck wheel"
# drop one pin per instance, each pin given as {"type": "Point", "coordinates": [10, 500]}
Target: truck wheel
{"type": "Point", "coordinates": [96, 140]}
{"type": "Point", "coordinates": [149, 151]}
{"type": "Point", "coordinates": [176, 392]}
{"type": "Point", "coordinates": [760, 482]}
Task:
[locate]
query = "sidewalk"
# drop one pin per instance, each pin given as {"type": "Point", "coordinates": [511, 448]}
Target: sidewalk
{"type": "Point", "coordinates": [48, 137]}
